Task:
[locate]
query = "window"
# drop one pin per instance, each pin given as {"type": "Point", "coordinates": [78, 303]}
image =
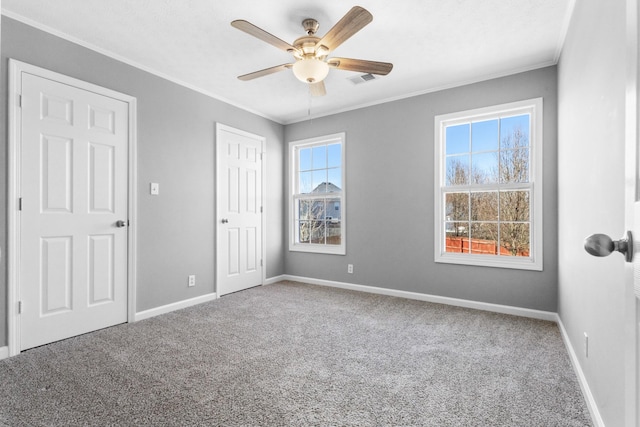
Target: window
{"type": "Point", "coordinates": [317, 202]}
{"type": "Point", "coordinates": [488, 195]}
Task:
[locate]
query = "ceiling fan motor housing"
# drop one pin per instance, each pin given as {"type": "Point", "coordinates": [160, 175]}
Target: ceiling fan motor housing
{"type": "Point", "coordinates": [307, 46]}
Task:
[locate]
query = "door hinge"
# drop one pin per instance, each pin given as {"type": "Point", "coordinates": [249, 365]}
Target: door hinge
{"type": "Point", "coordinates": [261, 156]}
{"type": "Point", "coordinates": [20, 101]}
{"type": "Point", "coordinates": [260, 209]}
{"type": "Point", "coordinates": [261, 264]}
{"type": "Point", "coordinates": [19, 307]}
{"type": "Point", "coordinates": [20, 204]}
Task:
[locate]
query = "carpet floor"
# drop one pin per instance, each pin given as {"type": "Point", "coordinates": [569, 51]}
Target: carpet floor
{"type": "Point", "coordinates": [291, 354]}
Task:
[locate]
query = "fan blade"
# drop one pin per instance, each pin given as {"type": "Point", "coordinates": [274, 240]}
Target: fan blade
{"type": "Point", "coordinates": [360, 65]}
{"type": "Point", "coordinates": [264, 72]}
{"type": "Point", "coordinates": [356, 19]}
{"type": "Point", "coordinates": [261, 34]}
{"type": "Point", "coordinates": [317, 89]}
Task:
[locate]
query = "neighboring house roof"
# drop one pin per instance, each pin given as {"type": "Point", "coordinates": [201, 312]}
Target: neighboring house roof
{"type": "Point", "coordinates": [326, 187]}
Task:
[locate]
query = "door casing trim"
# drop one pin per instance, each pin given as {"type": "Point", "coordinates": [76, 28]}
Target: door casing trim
{"type": "Point", "coordinates": [16, 68]}
{"type": "Point", "coordinates": [263, 153]}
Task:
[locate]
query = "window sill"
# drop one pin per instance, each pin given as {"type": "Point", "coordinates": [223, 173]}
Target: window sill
{"type": "Point", "coordinates": [495, 262]}
{"type": "Point", "coordinates": [318, 249]}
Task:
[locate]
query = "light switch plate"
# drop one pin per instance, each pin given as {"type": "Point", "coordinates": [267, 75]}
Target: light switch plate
{"type": "Point", "coordinates": [155, 188]}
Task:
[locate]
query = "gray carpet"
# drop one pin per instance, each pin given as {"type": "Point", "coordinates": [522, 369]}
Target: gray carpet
{"type": "Point", "coordinates": [301, 355]}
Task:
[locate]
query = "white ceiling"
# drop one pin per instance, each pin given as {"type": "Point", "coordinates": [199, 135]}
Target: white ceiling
{"type": "Point", "coordinates": [433, 44]}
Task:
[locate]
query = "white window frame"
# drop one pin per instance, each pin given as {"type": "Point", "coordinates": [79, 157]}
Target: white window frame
{"type": "Point", "coordinates": [294, 146]}
{"type": "Point", "coordinates": [534, 261]}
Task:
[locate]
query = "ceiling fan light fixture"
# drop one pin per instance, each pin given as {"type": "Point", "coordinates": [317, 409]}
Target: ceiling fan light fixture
{"type": "Point", "coordinates": [310, 70]}
{"type": "Point", "coordinates": [311, 64]}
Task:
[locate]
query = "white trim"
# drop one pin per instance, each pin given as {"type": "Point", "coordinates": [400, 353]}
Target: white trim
{"type": "Point", "coordinates": [632, 188]}
{"type": "Point", "coordinates": [582, 379]}
{"type": "Point", "coordinates": [457, 302]}
{"type": "Point", "coordinates": [263, 167]}
{"type": "Point", "coordinates": [566, 23]}
{"type": "Point", "coordinates": [275, 279]}
{"type": "Point", "coordinates": [459, 83]}
{"type": "Point", "coordinates": [340, 249]}
{"type": "Point", "coordinates": [4, 352]}
{"type": "Point", "coordinates": [132, 236]}
{"type": "Point", "coordinates": [152, 312]}
{"type": "Point", "coordinates": [13, 219]}
{"type": "Point", "coordinates": [263, 154]}
{"type": "Point", "coordinates": [128, 61]}
{"type": "Point", "coordinates": [16, 68]}
{"type": "Point", "coordinates": [534, 107]}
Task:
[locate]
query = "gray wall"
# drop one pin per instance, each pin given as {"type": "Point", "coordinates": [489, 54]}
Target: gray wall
{"type": "Point", "coordinates": [389, 163]}
{"type": "Point", "coordinates": [591, 142]}
{"type": "Point", "coordinates": [389, 205]}
{"type": "Point", "coordinates": [176, 141]}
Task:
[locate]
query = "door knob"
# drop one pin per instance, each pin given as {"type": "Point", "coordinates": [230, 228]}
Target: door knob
{"type": "Point", "coordinates": [225, 220]}
{"type": "Point", "coordinates": [601, 245]}
{"type": "Point", "coordinates": [120, 223]}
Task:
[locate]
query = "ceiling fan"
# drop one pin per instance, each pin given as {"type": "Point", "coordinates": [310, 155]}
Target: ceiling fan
{"type": "Point", "coordinates": [310, 52]}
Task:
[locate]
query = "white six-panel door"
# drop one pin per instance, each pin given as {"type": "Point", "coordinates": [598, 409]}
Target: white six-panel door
{"type": "Point", "coordinates": [73, 183]}
{"type": "Point", "coordinates": [239, 213]}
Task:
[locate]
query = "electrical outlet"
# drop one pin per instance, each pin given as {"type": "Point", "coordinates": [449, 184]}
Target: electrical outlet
{"type": "Point", "coordinates": [350, 268]}
{"type": "Point", "coordinates": [192, 280]}
{"type": "Point", "coordinates": [154, 188]}
{"type": "Point", "coordinates": [586, 345]}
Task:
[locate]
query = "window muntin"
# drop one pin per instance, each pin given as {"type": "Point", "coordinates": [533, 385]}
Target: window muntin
{"type": "Point", "coordinates": [488, 186]}
{"type": "Point", "coordinates": [317, 198]}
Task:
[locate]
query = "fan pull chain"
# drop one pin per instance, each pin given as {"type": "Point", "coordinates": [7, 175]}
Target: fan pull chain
{"type": "Point", "coordinates": [309, 109]}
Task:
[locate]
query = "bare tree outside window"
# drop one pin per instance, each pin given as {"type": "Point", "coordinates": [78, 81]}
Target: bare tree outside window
{"type": "Point", "coordinates": [495, 221]}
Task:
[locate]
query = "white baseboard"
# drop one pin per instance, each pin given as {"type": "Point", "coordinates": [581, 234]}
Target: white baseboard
{"type": "Point", "coordinates": [4, 352]}
{"type": "Point", "coordinates": [496, 308]}
{"type": "Point", "coordinates": [276, 279]}
{"type": "Point", "coordinates": [584, 385]}
{"type": "Point", "coordinates": [174, 306]}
